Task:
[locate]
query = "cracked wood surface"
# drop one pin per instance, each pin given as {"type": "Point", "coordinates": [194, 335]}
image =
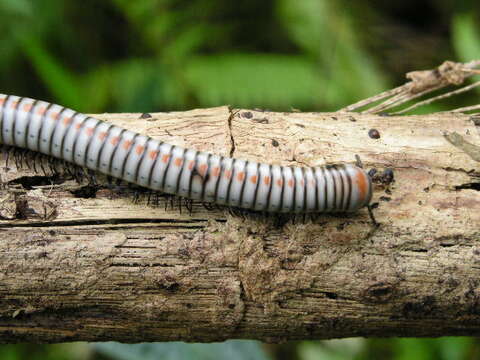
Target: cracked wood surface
{"type": "Point", "coordinates": [76, 267]}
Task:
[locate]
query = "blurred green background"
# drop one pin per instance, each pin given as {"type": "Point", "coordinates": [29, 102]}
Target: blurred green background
{"type": "Point", "coordinates": [163, 55]}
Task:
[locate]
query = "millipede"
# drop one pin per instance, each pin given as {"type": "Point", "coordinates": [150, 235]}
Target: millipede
{"type": "Point", "coordinates": [76, 138]}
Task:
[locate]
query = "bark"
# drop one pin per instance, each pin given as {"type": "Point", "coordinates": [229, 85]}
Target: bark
{"type": "Point", "coordinates": [76, 267]}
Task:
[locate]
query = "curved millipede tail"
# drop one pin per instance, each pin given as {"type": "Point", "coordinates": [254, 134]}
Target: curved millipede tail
{"type": "Point", "coordinates": [79, 139]}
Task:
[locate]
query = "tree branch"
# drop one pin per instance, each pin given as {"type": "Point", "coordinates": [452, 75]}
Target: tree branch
{"type": "Point", "coordinates": [421, 83]}
{"type": "Point", "coordinates": [77, 267]}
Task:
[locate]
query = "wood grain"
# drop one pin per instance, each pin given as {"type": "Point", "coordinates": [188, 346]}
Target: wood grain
{"type": "Point", "coordinates": [74, 267]}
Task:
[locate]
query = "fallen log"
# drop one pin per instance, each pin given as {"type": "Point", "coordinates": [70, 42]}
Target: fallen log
{"type": "Point", "coordinates": [97, 266]}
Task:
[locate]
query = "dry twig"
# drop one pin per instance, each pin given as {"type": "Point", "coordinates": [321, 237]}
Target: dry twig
{"type": "Point", "coordinates": [420, 84]}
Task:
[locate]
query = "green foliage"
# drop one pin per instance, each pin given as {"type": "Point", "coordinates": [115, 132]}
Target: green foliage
{"type": "Point", "coordinates": [326, 32]}
{"type": "Point", "coordinates": [448, 348]}
{"type": "Point", "coordinates": [332, 350]}
{"type": "Point", "coordinates": [181, 59]}
{"type": "Point", "coordinates": [74, 351]}
{"type": "Point", "coordinates": [466, 36]}
{"type": "Point", "coordinates": [253, 80]}
{"type": "Point", "coordinates": [231, 350]}
{"type": "Point", "coordinates": [58, 80]}
{"type": "Point", "coordinates": [163, 55]}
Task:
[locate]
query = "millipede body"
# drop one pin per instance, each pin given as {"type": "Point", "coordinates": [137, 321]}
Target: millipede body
{"type": "Point", "coordinates": [60, 132]}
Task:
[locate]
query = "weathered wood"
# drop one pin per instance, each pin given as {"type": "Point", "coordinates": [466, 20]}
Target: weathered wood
{"type": "Point", "coordinates": [104, 268]}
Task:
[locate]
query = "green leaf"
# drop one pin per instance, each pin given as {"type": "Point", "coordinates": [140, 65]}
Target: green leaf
{"type": "Point", "coordinates": [254, 80]}
{"type": "Point", "coordinates": [455, 348]}
{"type": "Point", "coordinates": [413, 348]}
{"type": "Point", "coordinates": [232, 350]}
{"type": "Point", "coordinates": [307, 23]}
{"type": "Point", "coordinates": [61, 83]}
{"type": "Point", "coordinates": [186, 42]}
{"type": "Point", "coordinates": [341, 349]}
{"type": "Point", "coordinates": [328, 34]}
{"type": "Point", "coordinates": [16, 7]}
{"type": "Point", "coordinates": [466, 36]}
{"type": "Point", "coordinates": [15, 16]}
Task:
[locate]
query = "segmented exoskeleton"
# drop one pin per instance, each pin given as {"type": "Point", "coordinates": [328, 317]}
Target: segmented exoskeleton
{"type": "Point", "coordinates": [80, 139]}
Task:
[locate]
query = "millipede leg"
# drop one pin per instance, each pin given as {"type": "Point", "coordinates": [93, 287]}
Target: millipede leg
{"type": "Point", "coordinates": [51, 165]}
{"type": "Point", "coordinates": [136, 197]}
{"type": "Point", "coordinates": [16, 156]}
{"type": "Point", "coordinates": [179, 204]}
{"type": "Point", "coordinates": [43, 168]}
{"type": "Point", "coordinates": [28, 161]}
{"type": "Point", "coordinates": [92, 178]}
{"type": "Point", "coordinates": [7, 155]}
{"type": "Point", "coordinates": [22, 157]}
{"type": "Point", "coordinates": [370, 208]}
{"type": "Point", "coordinates": [358, 161]}
{"type": "Point", "coordinates": [189, 205]}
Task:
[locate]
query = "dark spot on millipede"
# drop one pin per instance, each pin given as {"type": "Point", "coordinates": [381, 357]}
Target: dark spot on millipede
{"type": "Point", "coordinates": [300, 125]}
{"type": "Point", "coordinates": [334, 118]}
{"type": "Point", "coordinates": [385, 198]}
{"type": "Point", "coordinates": [145, 116]}
{"type": "Point", "coordinates": [427, 189]}
{"type": "Point", "coordinates": [261, 121]}
{"type": "Point", "coordinates": [374, 134]}
{"type": "Point", "coordinates": [351, 118]}
{"type": "Point", "coordinates": [247, 115]}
